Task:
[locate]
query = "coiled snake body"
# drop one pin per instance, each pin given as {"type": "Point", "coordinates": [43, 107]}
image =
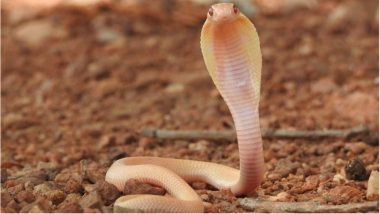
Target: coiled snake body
{"type": "Point", "coordinates": [231, 51]}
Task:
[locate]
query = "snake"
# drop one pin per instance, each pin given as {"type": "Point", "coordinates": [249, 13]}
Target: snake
{"type": "Point", "coordinates": [231, 51]}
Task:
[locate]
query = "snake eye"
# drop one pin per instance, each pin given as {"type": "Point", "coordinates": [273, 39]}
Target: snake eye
{"type": "Point", "coordinates": [236, 9]}
{"type": "Point", "coordinates": [210, 11]}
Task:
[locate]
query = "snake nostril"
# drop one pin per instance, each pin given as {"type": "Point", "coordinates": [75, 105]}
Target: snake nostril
{"type": "Point", "coordinates": [210, 11]}
{"type": "Point", "coordinates": [236, 9]}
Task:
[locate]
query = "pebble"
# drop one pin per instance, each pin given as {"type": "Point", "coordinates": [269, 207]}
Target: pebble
{"type": "Point", "coordinates": [16, 121]}
{"type": "Point", "coordinates": [91, 200]}
{"type": "Point", "coordinates": [14, 190]}
{"type": "Point", "coordinates": [4, 175]}
{"type": "Point", "coordinates": [5, 197]}
{"type": "Point", "coordinates": [133, 186]}
{"type": "Point", "coordinates": [355, 170]}
{"type": "Point", "coordinates": [108, 192]}
{"type": "Point", "coordinates": [174, 88]}
{"type": "Point", "coordinates": [343, 195]}
{"type": "Point", "coordinates": [283, 168]}
{"type": "Point", "coordinates": [69, 208]}
{"type": "Point", "coordinates": [73, 198]}
{"type": "Point", "coordinates": [26, 196]}
{"type": "Point", "coordinates": [356, 148]}
{"type": "Point", "coordinates": [35, 33]}
{"type": "Point", "coordinates": [373, 186]}
{"type": "Point", "coordinates": [56, 196]}
{"type": "Point", "coordinates": [73, 186]}
{"type": "Point", "coordinates": [198, 185]}
{"type": "Point", "coordinates": [199, 146]}
{"type": "Point", "coordinates": [282, 196]}
{"type": "Point", "coordinates": [43, 188]}
{"type": "Point", "coordinates": [339, 178]}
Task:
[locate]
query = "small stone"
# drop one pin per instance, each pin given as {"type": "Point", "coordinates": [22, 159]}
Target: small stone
{"type": "Point", "coordinates": [356, 148]}
{"type": "Point", "coordinates": [174, 88]}
{"type": "Point", "coordinates": [108, 192]}
{"type": "Point", "coordinates": [4, 175]}
{"type": "Point", "coordinates": [35, 33]}
{"type": "Point", "coordinates": [13, 205]}
{"type": "Point", "coordinates": [26, 196]}
{"type": "Point", "coordinates": [41, 205]}
{"type": "Point", "coordinates": [355, 170]}
{"type": "Point", "coordinates": [199, 146]}
{"type": "Point", "coordinates": [283, 168]}
{"type": "Point", "coordinates": [16, 121]}
{"type": "Point", "coordinates": [373, 186]}
{"type": "Point", "coordinates": [73, 186]}
{"type": "Point", "coordinates": [16, 189]}
{"type": "Point", "coordinates": [91, 200]}
{"type": "Point", "coordinates": [311, 183]}
{"type": "Point", "coordinates": [73, 198]}
{"type": "Point", "coordinates": [339, 178]}
{"type": "Point", "coordinates": [282, 196]}
{"type": "Point", "coordinates": [199, 185]}
{"type": "Point", "coordinates": [42, 189]}
{"type": "Point", "coordinates": [134, 186]}
{"type": "Point", "coordinates": [56, 196]}
{"type": "Point", "coordinates": [106, 36]}
{"type": "Point", "coordinates": [69, 208]}
{"type": "Point", "coordinates": [5, 197]}
{"type": "Point", "coordinates": [106, 141]}
{"type": "Point", "coordinates": [343, 195]}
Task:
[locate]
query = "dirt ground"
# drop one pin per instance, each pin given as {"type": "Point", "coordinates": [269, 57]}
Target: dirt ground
{"type": "Point", "coordinates": [80, 81]}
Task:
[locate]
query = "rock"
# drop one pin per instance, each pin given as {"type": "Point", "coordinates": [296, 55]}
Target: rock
{"type": "Point", "coordinates": [311, 183]}
{"type": "Point", "coordinates": [199, 146]}
{"type": "Point", "coordinates": [13, 205]}
{"type": "Point", "coordinates": [16, 121]}
{"type": "Point", "coordinates": [282, 196]}
{"type": "Point", "coordinates": [35, 33]}
{"type": "Point", "coordinates": [5, 197]}
{"type": "Point", "coordinates": [73, 198]}
{"type": "Point", "coordinates": [108, 192]}
{"type": "Point", "coordinates": [355, 170]}
{"type": "Point", "coordinates": [41, 205]}
{"type": "Point", "coordinates": [73, 186]}
{"type": "Point", "coordinates": [69, 208]}
{"type": "Point", "coordinates": [91, 200]}
{"type": "Point", "coordinates": [373, 186]}
{"type": "Point", "coordinates": [134, 186]}
{"type": "Point", "coordinates": [283, 168]}
{"type": "Point", "coordinates": [356, 148]}
{"type": "Point", "coordinates": [16, 189]}
{"type": "Point", "coordinates": [26, 196]}
{"type": "Point", "coordinates": [4, 175]}
{"type": "Point", "coordinates": [42, 189]}
{"type": "Point", "coordinates": [107, 35]}
{"type": "Point", "coordinates": [198, 185]}
{"type": "Point", "coordinates": [106, 141]}
{"type": "Point", "coordinates": [339, 178]}
{"type": "Point", "coordinates": [56, 196]}
{"type": "Point", "coordinates": [323, 86]}
{"type": "Point", "coordinates": [174, 88]}
{"type": "Point", "coordinates": [343, 195]}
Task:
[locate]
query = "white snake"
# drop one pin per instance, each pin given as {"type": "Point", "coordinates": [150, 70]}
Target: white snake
{"type": "Point", "coordinates": [231, 50]}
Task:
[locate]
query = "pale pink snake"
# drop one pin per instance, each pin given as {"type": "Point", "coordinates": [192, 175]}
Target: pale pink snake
{"type": "Point", "coordinates": [231, 51]}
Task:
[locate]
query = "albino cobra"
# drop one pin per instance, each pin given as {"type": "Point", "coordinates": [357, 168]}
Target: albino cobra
{"type": "Point", "coordinates": [231, 51]}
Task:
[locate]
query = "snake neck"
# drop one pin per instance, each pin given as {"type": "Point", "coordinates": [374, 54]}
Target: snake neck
{"type": "Point", "coordinates": [234, 81]}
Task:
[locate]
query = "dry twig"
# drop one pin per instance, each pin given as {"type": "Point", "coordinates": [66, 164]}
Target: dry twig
{"type": "Point", "coordinates": [358, 131]}
{"type": "Point", "coordinates": [309, 206]}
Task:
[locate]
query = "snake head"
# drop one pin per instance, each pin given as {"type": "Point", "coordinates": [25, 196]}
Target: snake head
{"type": "Point", "coordinates": [223, 12]}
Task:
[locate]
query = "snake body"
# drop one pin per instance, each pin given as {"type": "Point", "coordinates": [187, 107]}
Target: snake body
{"type": "Point", "coordinates": [231, 51]}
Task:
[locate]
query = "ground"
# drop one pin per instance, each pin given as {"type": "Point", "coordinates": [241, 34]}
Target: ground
{"type": "Point", "coordinates": [79, 83]}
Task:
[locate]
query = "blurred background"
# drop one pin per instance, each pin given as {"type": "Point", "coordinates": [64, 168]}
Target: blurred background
{"type": "Point", "coordinates": [81, 77]}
